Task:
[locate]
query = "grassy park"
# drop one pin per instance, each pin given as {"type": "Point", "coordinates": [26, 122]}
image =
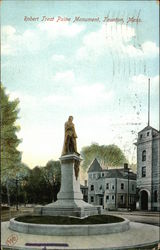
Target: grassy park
{"type": "Point", "coordinates": [7, 214]}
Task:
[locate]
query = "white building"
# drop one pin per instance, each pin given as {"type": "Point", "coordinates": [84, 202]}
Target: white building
{"type": "Point", "coordinates": [111, 188]}
{"type": "Point", "coordinates": [148, 169]}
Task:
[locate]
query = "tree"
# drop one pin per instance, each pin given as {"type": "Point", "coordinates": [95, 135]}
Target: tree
{"type": "Point", "coordinates": [35, 187]}
{"type": "Point", "coordinates": [13, 186]}
{"type": "Point", "coordinates": [52, 175]}
{"type": "Point", "coordinates": [10, 156]}
{"type": "Point", "coordinates": [43, 183]}
{"type": "Point", "coordinates": [107, 155]}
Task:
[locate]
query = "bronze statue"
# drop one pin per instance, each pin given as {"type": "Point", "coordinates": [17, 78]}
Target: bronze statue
{"type": "Point", "coordinates": [70, 136]}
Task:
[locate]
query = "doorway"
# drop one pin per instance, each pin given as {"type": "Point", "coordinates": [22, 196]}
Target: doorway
{"type": "Point", "coordinates": [101, 201]}
{"type": "Point", "coordinates": [144, 200]}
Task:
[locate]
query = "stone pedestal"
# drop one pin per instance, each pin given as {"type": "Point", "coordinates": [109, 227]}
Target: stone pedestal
{"type": "Point", "coordinates": [70, 199]}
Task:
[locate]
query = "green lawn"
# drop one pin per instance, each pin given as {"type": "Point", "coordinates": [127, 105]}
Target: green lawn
{"type": "Point", "coordinates": [7, 215]}
{"type": "Point", "coordinates": [64, 220]}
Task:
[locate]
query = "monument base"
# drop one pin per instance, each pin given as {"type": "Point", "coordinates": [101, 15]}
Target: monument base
{"type": "Point", "coordinates": [70, 199]}
{"type": "Point", "coordinates": [75, 209]}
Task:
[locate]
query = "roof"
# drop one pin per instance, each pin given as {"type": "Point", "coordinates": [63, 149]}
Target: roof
{"type": "Point", "coordinates": [111, 173]}
{"type": "Point", "coordinates": [148, 128]}
{"type": "Point", "coordinates": [95, 166]}
{"type": "Point", "coordinates": [120, 173]}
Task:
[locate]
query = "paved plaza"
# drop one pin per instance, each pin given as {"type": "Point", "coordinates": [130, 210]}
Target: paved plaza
{"type": "Point", "coordinates": [138, 235]}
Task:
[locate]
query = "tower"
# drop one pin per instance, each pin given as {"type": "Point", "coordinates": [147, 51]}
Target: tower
{"type": "Point", "coordinates": [148, 166]}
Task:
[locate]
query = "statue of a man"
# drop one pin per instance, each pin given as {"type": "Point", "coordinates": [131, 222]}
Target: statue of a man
{"type": "Point", "coordinates": [70, 145]}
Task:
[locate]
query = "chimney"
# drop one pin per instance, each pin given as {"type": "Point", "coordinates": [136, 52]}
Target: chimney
{"type": "Point", "coordinates": [125, 166]}
{"type": "Point", "coordinates": [85, 183]}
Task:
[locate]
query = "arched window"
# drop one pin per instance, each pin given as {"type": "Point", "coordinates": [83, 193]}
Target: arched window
{"type": "Point", "coordinates": [155, 196]}
{"type": "Point", "coordinates": [144, 155]}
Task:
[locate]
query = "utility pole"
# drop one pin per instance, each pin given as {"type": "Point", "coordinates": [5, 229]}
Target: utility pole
{"type": "Point", "coordinates": [148, 101]}
{"type": "Point", "coordinates": [116, 205]}
{"type": "Point", "coordinates": [128, 190]}
{"type": "Point", "coordinates": [8, 196]}
{"type": "Point", "coordinates": [17, 194]}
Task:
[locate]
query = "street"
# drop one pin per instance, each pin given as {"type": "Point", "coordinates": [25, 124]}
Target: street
{"type": "Point", "coordinates": [152, 218]}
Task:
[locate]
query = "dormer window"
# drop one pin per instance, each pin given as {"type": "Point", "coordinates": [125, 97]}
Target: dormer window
{"type": "Point", "coordinates": [144, 155]}
{"type": "Point", "coordinates": [147, 133]}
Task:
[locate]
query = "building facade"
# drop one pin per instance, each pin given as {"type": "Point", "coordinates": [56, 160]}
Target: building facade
{"type": "Point", "coordinates": [111, 188]}
{"type": "Point", "coordinates": [84, 190]}
{"type": "Point", "coordinates": [148, 169]}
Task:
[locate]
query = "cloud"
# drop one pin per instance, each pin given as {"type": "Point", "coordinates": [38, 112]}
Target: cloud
{"type": "Point", "coordinates": [14, 42]}
{"type": "Point", "coordinates": [147, 49]}
{"type": "Point", "coordinates": [139, 84]}
{"type": "Point", "coordinates": [8, 38]}
{"type": "Point", "coordinates": [81, 97]}
{"type": "Point", "coordinates": [69, 94]}
{"type": "Point", "coordinates": [58, 58]}
{"type": "Point", "coordinates": [150, 49]}
{"type": "Point", "coordinates": [108, 37]}
{"type": "Point", "coordinates": [114, 38]}
{"type": "Point", "coordinates": [36, 39]}
{"type": "Point", "coordinates": [64, 77]}
{"type": "Point", "coordinates": [26, 100]}
{"type": "Point", "coordinates": [62, 29]}
{"type": "Point", "coordinates": [34, 151]}
{"type": "Point", "coordinates": [58, 99]}
{"type": "Point", "coordinates": [92, 95]}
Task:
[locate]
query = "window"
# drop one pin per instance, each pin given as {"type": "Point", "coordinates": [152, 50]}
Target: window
{"type": "Point", "coordinates": [113, 187]}
{"type": "Point", "coordinates": [107, 185]}
{"type": "Point", "coordinates": [92, 187]}
{"type": "Point", "coordinates": [132, 187]}
{"type": "Point", "coordinates": [141, 136]}
{"type": "Point", "coordinates": [122, 185]}
{"type": "Point", "coordinates": [155, 196]}
{"type": "Point", "coordinates": [144, 155]}
{"type": "Point", "coordinates": [143, 171]}
{"type": "Point", "coordinates": [107, 197]}
{"type": "Point", "coordinates": [112, 197]}
{"type": "Point", "coordinates": [92, 198]}
{"type": "Point", "coordinates": [102, 174]}
{"type": "Point", "coordinates": [122, 199]}
{"type": "Point", "coordinates": [147, 133]}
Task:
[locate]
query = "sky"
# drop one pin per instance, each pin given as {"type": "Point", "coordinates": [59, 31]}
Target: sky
{"type": "Point", "coordinates": [88, 59]}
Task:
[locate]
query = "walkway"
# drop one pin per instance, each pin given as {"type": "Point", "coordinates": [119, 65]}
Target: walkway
{"type": "Point", "coordinates": [139, 234]}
